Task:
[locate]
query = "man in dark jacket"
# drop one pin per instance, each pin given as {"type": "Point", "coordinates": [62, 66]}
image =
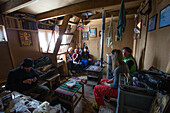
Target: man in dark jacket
{"type": "Point", "coordinates": [24, 79]}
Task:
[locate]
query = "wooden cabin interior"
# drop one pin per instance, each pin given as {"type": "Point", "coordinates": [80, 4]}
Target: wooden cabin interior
{"type": "Point", "coordinates": [52, 26]}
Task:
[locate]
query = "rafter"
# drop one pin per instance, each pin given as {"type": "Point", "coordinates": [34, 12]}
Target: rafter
{"type": "Point", "coordinates": [114, 13]}
{"type": "Point", "coordinates": [81, 7]}
{"type": "Point", "coordinates": [14, 5]}
{"type": "Point", "coordinates": [61, 33]}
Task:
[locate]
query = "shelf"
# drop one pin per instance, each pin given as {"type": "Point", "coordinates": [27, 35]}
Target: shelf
{"type": "Point", "coordinates": [22, 29]}
{"type": "Point", "coordinates": [23, 18]}
{"type": "Point", "coordinates": [16, 23]}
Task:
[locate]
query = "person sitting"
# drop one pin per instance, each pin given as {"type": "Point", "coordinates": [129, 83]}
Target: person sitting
{"type": "Point", "coordinates": [108, 87]}
{"type": "Point", "coordinates": [86, 59]}
{"type": "Point", "coordinates": [77, 60]}
{"type": "Point", "coordinates": [24, 79]}
{"type": "Point", "coordinates": [129, 59]}
{"type": "Point", "coordinates": [70, 60]}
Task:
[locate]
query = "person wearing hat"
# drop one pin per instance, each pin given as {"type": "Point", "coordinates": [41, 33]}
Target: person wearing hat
{"type": "Point", "coordinates": [129, 59]}
{"type": "Point", "coordinates": [86, 59]}
{"type": "Point", "coordinates": [24, 79]}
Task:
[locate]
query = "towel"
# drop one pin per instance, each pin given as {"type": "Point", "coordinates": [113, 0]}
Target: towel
{"type": "Point", "coordinates": [121, 21]}
{"type": "Point", "coordinates": [110, 34]}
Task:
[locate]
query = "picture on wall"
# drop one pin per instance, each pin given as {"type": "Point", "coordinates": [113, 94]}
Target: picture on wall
{"type": "Point", "coordinates": [25, 38]}
{"type": "Point", "coordinates": [93, 32]}
{"type": "Point", "coordinates": [152, 23]}
{"type": "Point", "coordinates": [164, 17]}
{"type": "Point", "coordinates": [85, 36]}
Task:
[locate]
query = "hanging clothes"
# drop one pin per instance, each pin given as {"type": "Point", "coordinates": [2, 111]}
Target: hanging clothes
{"type": "Point", "coordinates": [110, 34]}
{"type": "Point", "coordinates": [121, 21]}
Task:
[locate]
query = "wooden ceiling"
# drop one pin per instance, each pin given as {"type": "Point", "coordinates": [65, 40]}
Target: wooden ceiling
{"type": "Point", "coordinates": [45, 9]}
{"type": "Point", "coordinates": [3, 1]}
{"type": "Point", "coordinates": [42, 6]}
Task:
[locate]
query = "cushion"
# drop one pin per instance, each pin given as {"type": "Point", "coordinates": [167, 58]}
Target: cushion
{"type": "Point", "coordinates": [46, 68]}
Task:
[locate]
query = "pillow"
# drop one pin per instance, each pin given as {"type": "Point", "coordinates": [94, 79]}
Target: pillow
{"type": "Point", "coordinates": [46, 68]}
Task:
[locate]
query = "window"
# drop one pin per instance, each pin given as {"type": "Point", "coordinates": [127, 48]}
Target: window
{"type": "Point", "coordinates": [66, 40]}
{"type": "Point", "coordinates": [47, 41]}
{"type": "Point", "coordinates": [2, 33]}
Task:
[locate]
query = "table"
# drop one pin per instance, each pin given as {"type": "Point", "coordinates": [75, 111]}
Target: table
{"type": "Point", "coordinates": [95, 72]}
{"type": "Point", "coordinates": [70, 96]}
{"type": "Point", "coordinates": [23, 103]}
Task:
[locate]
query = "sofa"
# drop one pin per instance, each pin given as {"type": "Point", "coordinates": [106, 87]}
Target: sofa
{"type": "Point", "coordinates": [154, 80]}
{"type": "Point", "coordinates": [44, 68]}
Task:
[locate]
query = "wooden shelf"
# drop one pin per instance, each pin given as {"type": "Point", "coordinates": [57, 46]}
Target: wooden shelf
{"type": "Point", "coordinates": [23, 18]}
{"type": "Point", "coordinates": [18, 23]}
{"type": "Point", "coordinates": [22, 29]}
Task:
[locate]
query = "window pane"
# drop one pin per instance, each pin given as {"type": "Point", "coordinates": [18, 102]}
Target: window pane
{"type": "Point", "coordinates": [52, 42]}
{"type": "Point", "coordinates": [63, 49]}
{"type": "Point", "coordinates": [43, 41]}
{"type": "Point", "coordinates": [2, 34]}
{"type": "Point", "coordinates": [66, 39]}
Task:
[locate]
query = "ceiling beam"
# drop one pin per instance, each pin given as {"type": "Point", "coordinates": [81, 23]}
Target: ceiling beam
{"type": "Point", "coordinates": [81, 7]}
{"type": "Point", "coordinates": [114, 13]}
{"type": "Point", "coordinates": [14, 5]}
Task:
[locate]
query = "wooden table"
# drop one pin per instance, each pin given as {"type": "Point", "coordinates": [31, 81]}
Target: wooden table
{"type": "Point", "coordinates": [95, 72]}
{"type": "Point", "coordinates": [70, 96]}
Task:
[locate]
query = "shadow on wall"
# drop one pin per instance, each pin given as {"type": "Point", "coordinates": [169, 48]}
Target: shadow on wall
{"type": "Point", "coordinates": [141, 60]}
{"type": "Point", "coordinates": [155, 62]}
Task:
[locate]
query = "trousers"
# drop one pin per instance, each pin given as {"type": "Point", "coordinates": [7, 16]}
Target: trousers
{"type": "Point", "coordinates": [101, 90]}
{"type": "Point", "coordinates": [42, 90]}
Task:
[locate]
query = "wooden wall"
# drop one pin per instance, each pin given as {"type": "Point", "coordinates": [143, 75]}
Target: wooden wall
{"type": "Point", "coordinates": [18, 52]}
{"type": "Point", "coordinates": [12, 53]}
{"type": "Point", "coordinates": [94, 43]}
{"type": "Point", "coordinates": [157, 45]}
{"type": "Point", "coordinates": [6, 63]}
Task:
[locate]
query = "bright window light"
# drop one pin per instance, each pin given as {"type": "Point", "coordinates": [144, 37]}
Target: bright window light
{"type": "Point", "coordinates": [2, 33]}
{"type": "Point", "coordinates": [46, 39]}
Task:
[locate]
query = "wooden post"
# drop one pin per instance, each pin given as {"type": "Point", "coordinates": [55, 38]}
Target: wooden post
{"type": "Point", "coordinates": [146, 35]}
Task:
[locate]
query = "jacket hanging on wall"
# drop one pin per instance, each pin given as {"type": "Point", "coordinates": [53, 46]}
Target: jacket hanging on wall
{"type": "Point", "coordinates": [121, 21]}
{"type": "Point", "coordinates": [110, 34]}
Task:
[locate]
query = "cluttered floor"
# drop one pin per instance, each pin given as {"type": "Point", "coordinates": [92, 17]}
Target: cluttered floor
{"type": "Point", "coordinates": [85, 104]}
